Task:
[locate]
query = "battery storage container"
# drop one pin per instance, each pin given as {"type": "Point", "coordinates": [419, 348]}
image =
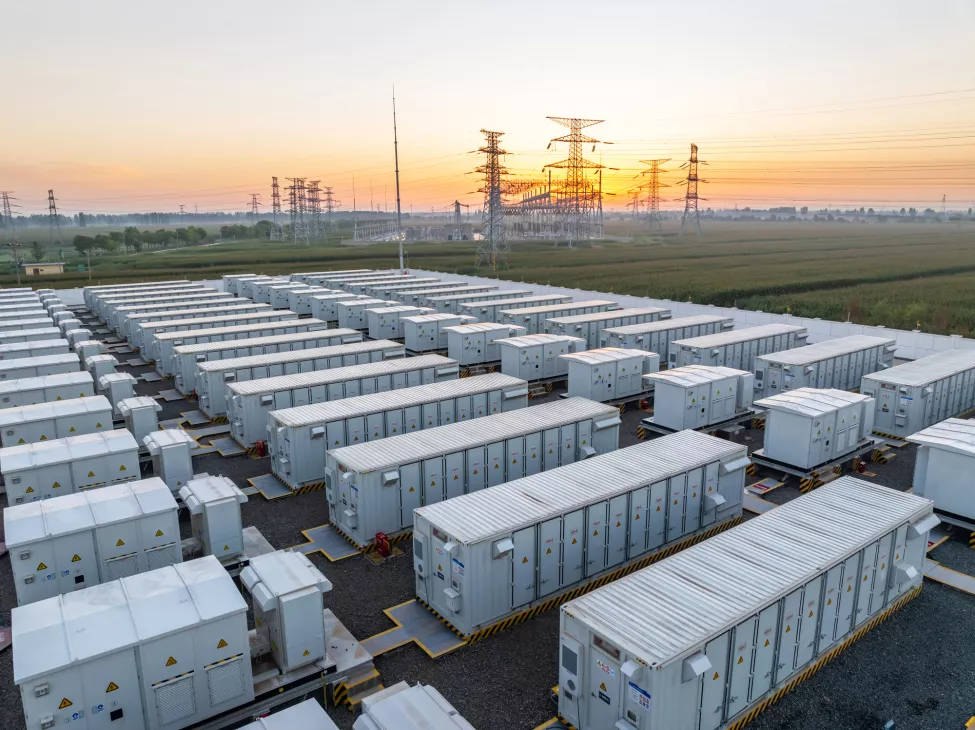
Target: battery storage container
{"type": "Point", "coordinates": [247, 288]}
{"type": "Point", "coordinates": [402, 707]}
{"type": "Point", "coordinates": [123, 318]}
{"type": "Point", "coordinates": [538, 357]}
{"type": "Point", "coordinates": [287, 593]}
{"type": "Point", "coordinates": [214, 506]}
{"type": "Point", "coordinates": [105, 308]}
{"type": "Point", "coordinates": [135, 327]}
{"type": "Point", "coordinates": [59, 317]}
{"type": "Point", "coordinates": [808, 427]}
{"type": "Point", "coordinates": [100, 365]}
{"type": "Point", "coordinates": [262, 290]}
{"type": "Point", "coordinates": [388, 291]}
{"type": "Point", "coordinates": [298, 437]}
{"type": "Point", "coordinates": [325, 306]}
{"type": "Point", "coordinates": [839, 363]}
{"type": "Point", "coordinates": [451, 303]}
{"type": "Point", "coordinates": [706, 638]}
{"type": "Point", "coordinates": [188, 357]}
{"type": "Point", "coordinates": [307, 715]}
{"type": "Point", "coordinates": [737, 348]}
{"type": "Point", "coordinates": [299, 300]}
{"type": "Point", "coordinates": [152, 331]}
{"type": "Point", "coordinates": [111, 293]}
{"type": "Point", "coordinates": [35, 311]}
{"type": "Point", "coordinates": [609, 373]}
{"type": "Point", "coordinates": [386, 323]}
{"type": "Point", "coordinates": [251, 401]}
{"type": "Point", "coordinates": [489, 310]}
{"type": "Point", "coordinates": [306, 276]}
{"type": "Point", "coordinates": [63, 466]}
{"type": "Point", "coordinates": [171, 452]}
{"type": "Point", "coordinates": [141, 415]}
{"type": "Point", "coordinates": [280, 292]}
{"type": "Point", "coordinates": [8, 337]}
{"type": "Point", "coordinates": [60, 419]}
{"type": "Point", "coordinates": [28, 391]}
{"type": "Point", "coordinates": [38, 365]}
{"type": "Point", "coordinates": [213, 377]}
{"type": "Point", "coordinates": [167, 342]}
{"type": "Point", "coordinates": [590, 326]}
{"type": "Point", "coordinates": [359, 286]}
{"type": "Point", "coordinates": [483, 557]}
{"type": "Point", "coordinates": [117, 387]}
{"type": "Point", "coordinates": [402, 292]}
{"type": "Point", "coordinates": [351, 313]}
{"type": "Point", "coordinates": [918, 394]}
{"type": "Point", "coordinates": [88, 348]}
{"type": "Point", "coordinates": [70, 543]}
{"type": "Point", "coordinates": [419, 297]}
{"type": "Point", "coordinates": [33, 323]}
{"type": "Point", "coordinates": [75, 336]}
{"type": "Point", "coordinates": [427, 332]}
{"type": "Point", "coordinates": [105, 650]}
{"type": "Point", "coordinates": [697, 396]}
{"type": "Point", "coordinates": [476, 344]}
{"type": "Point", "coordinates": [657, 336]}
{"type": "Point", "coordinates": [228, 282]}
{"type": "Point", "coordinates": [533, 318]}
{"type": "Point", "coordinates": [374, 487]}
{"type": "Point", "coordinates": [65, 325]}
{"type": "Point", "coordinates": [944, 464]}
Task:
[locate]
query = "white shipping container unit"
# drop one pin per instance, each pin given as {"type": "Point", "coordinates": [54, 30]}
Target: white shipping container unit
{"type": "Point", "coordinates": [306, 275]}
{"type": "Point", "coordinates": [402, 707]}
{"type": "Point", "coordinates": [489, 310]}
{"type": "Point", "coordinates": [324, 306]}
{"type": "Point", "coordinates": [943, 469]}
{"type": "Point", "coordinates": [250, 402]}
{"type": "Point", "coordinates": [809, 427]}
{"type": "Point", "coordinates": [336, 280]}
{"type": "Point", "coordinates": [428, 332]}
{"type": "Point", "coordinates": [609, 373]}
{"type": "Point", "coordinates": [70, 543]}
{"type": "Point", "coordinates": [280, 293]}
{"type": "Point", "coordinates": [140, 415]}
{"type": "Point", "coordinates": [60, 419]}
{"type": "Point", "coordinates": [477, 344]}
{"type": "Point", "coordinates": [212, 378]}
{"type": "Point", "coordinates": [451, 303]}
{"type": "Point", "coordinates": [706, 638]}
{"type": "Point", "coordinates": [386, 290]}
{"type": "Point", "coordinates": [386, 323]}
{"type": "Point", "coordinates": [37, 365]}
{"type": "Point", "coordinates": [307, 715]}
{"type": "Point", "coordinates": [32, 312]}
{"type": "Point", "coordinates": [91, 293]}
{"type": "Point", "coordinates": [359, 286]}
{"type": "Point", "coordinates": [351, 313]}
{"type": "Point", "coordinates": [140, 296]}
{"type": "Point", "coordinates": [237, 286]}
{"type": "Point", "coordinates": [133, 327]}
{"type": "Point", "coordinates": [121, 315]}
{"type": "Point", "coordinates": [248, 288]}
{"type": "Point", "coordinates": [486, 556]}
{"type": "Point", "coordinates": [30, 335]}
{"type": "Point", "coordinates": [918, 394]}
{"type": "Point", "coordinates": [404, 290]}
{"type": "Point", "coordinates": [737, 348]}
{"type": "Point", "coordinates": [214, 507]}
{"type": "Point", "coordinates": [299, 300]}
{"type": "Point", "coordinates": [298, 437]}
{"type": "Point", "coordinates": [107, 307]}
{"type": "Point", "coordinates": [62, 466]}
{"type": "Point", "coordinates": [590, 326]}
{"type": "Point", "coordinates": [87, 348]}
{"type": "Point", "coordinates": [171, 454]}
{"type": "Point", "coordinates": [149, 333]}
{"type": "Point", "coordinates": [159, 650]}
{"type": "Point", "coordinates": [17, 350]}
{"type": "Point", "coordinates": [188, 357]}
{"type": "Point", "coordinates": [533, 318]}
{"type": "Point", "coordinates": [47, 388]}
{"type": "Point", "coordinates": [375, 487]}
{"type": "Point", "coordinates": [657, 336]}
{"type": "Point", "coordinates": [263, 289]}
{"type": "Point", "coordinates": [228, 282]}
{"type": "Point", "coordinates": [422, 298]}
{"type": "Point", "coordinates": [167, 342]}
{"type": "Point", "coordinates": [100, 365]}
{"type": "Point", "coordinates": [75, 336]}
{"type": "Point", "coordinates": [117, 387]}
{"type": "Point", "coordinates": [538, 357]}
{"type": "Point", "coordinates": [839, 363]}
{"type": "Point", "coordinates": [698, 396]}
{"type": "Point", "coordinates": [32, 323]}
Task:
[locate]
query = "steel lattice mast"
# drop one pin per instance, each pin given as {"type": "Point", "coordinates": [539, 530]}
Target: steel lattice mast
{"type": "Point", "coordinates": [691, 197]}
{"type": "Point", "coordinates": [54, 220]}
{"type": "Point", "coordinates": [493, 249]}
{"type": "Point", "coordinates": [254, 205]}
{"type": "Point", "coordinates": [275, 210]}
{"type": "Point", "coordinates": [9, 232]}
{"type": "Point", "coordinates": [578, 201]}
{"type": "Point", "coordinates": [653, 186]}
{"type": "Point", "coordinates": [315, 208]}
{"type": "Point", "coordinates": [330, 205]}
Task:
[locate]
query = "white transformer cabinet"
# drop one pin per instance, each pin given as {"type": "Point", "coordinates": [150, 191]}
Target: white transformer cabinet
{"type": "Point", "coordinates": [17, 350]}
{"type": "Point", "coordinates": [60, 419]}
{"type": "Point", "coordinates": [172, 456]}
{"type": "Point", "coordinates": [27, 391]}
{"type": "Point", "coordinates": [87, 348]}
{"type": "Point", "coordinates": [100, 365]}
{"type": "Point", "coordinates": [69, 543]}
{"type": "Point", "coordinates": [30, 335]}
{"type": "Point", "coordinates": [402, 707]}
{"type": "Point", "coordinates": [533, 318]}
{"type": "Point", "coordinates": [386, 323]}
{"type": "Point", "coordinates": [736, 348]}
{"type": "Point", "coordinates": [609, 373]}
{"type": "Point", "coordinates": [944, 468]}
{"type": "Point", "coordinates": [140, 415]}
{"type": "Point", "coordinates": [538, 357]}
{"type": "Point", "coordinates": [287, 593]}
{"type": "Point", "coordinates": [352, 312]}
{"type": "Point", "coordinates": [697, 396]}
{"type": "Point", "coordinates": [427, 332]}
{"type": "Point", "coordinates": [657, 336]}
{"type": "Point", "coordinates": [214, 505]}
{"type": "Point", "coordinates": [476, 344]}
{"type": "Point", "coordinates": [75, 336]}
{"type": "Point", "coordinates": [117, 387]}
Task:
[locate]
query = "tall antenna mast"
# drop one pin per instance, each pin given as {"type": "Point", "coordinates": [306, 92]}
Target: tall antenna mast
{"type": "Point", "coordinates": [399, 225]}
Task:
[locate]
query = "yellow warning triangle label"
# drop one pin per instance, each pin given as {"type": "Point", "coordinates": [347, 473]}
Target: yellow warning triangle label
{"type": "Point", "coordinates": [433, 483]}
{"type": "Point", "coordinates": [694, 495]}
{"type": "Point", "coordinates": [98, 425]}
{"type": "Point", "coordinates": [864, 577]}
{"type": "Point", "coordinates": [21, 441]}
{"type": "Point", "coordinates": [675, 501]}
{"type": "Point", "coordinates": [43, 437]}
{"type": "Point", "coordinates": [829, 602]}
{"type": "Point", "coordinates": [111, 687]}
{"type": "Point", "coordinates": [221, 644]}
{"type": "Point", "coordinates": [159, 533]}
{"type": "Point", "coordinates": [64, 704]}
{"type": "Point", "coordinates": [72, 429]}
{"type": "Point", "coordinates": [306, 653]}
{"type": "Point", "coordinates": [883, 565]}
{"type": "Point", "coordinates": [849, 588]}
{"type": "Point", "coordinates": [455, 477]}
{"type": "Point", "coordinates": [496, 466]}
{"type": "Point", "coordinates": [413, 427]}
{"type": "Point", "coordinates": [226, 548]}
{"type": "Point", "coordinates": [91, 473]}
{"type": "Point", "coordinates": [715, 676]}
{"type": "Point", "coordinates": [524, 560]}
{"type": "Point", "coordinates": [31, 489]}
{"type": "Point", "coordinates": [439, 567]}
{"type": "Point", "coordinates": [41, 566]}
{"type": "Point", "coordinates": [336, 442]}
{"type": "Point", "coordinates": [548, 551]}
{"type": "Point", "coordinates": [602, 686]}
{"type": "Point", "coordinates": [788, 628]}
{"type": "Point", "coordinates": [356, 438]}
{"type": "Point", "coordinates": [766, 642]}
{"type": "Point", "coordinates": [637, 516]}
{"type": "Point", "coordinates": [76, 559]}
{"type": "Point", "coordinates": [56, 485]}
{"type": "Point", "coordinates": [741, 659]}
{"type": "Point", "coordinates": [534, 455]}
{"type": "Point", "coordinates": [574, 541]}
{"type": "Point", "coordinates": [810, 614]}
{"type": "Point", "coordinates": [120, 542]}
{"type": "Point", "coordinates": [595, 532]}
{"type": "Point", "coordinates": [550, 451]}
{"type": "Point", "coordinates": [122, 467]}
{"type": "Point", "coordinates": [412, 489]}
{"type": "Point", "coordinates": [59, 398]}
{"type": "Point", "coordinates": [170, 662]}
{"type": "Point", "coordinates": [618, 524]}
{"type": "Point", "coordinates": [658, 508]}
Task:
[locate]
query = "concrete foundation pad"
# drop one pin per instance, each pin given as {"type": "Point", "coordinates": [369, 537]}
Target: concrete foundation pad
{"type": "Point", "coordinates": [328, 542]}
{"type": "Point", "coordinates": [196, 418]}
{"type": "Point", "coordinates": [227, 447]}
{"type": "Point", "coordinates": [416, 624]}
{"type": "Point", "coordinates": [960, 581]}
{"type": "Point", "coordinates": [756, 504]}
{"type": "Point", "coordinates": [269, 487]}
{"type": "Point", "coordinates": [170, 395]}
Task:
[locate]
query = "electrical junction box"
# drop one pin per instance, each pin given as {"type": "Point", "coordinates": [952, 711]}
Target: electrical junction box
{"type": "Point", "coordinates": [140, 416]}
{"type": "Point", "coordinates": [117, 387]}
{"type": "Point", "coordinates": [214, 505]}
{"type": "Point", "coordinates": [172, 456]}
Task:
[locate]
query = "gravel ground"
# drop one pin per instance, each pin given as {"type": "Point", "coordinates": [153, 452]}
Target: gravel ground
{"type": "Point", "coordinates": [906, 669]}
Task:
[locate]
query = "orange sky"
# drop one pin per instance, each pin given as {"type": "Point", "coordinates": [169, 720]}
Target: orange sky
{"type": "Point", "coordinates": [121, 106]}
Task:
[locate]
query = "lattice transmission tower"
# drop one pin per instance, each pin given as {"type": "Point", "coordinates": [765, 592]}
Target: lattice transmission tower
{"type": "Point", "coordinates": [331, 205]}
{"type": "Point", "coordinates": [314, 203]}
{"type": "Point", "coordinates": [9, 231]}
{"type": "Point", "coordinates": [276, 234]}
{"type": "Point", "coordinates": [493, 248]}
{"type": "Point", "coordinates": [691, 197]}
{"type": "Point", "coordinates": [255, 209]}
{"type": "Point", "coordinates": [54, 221]}
{"type": "Point", "coordinates": [578, 202]}
{"type": "Point", "coordinates": [297, 208]}
{"type": "Point", "coordinates": [653, 186]}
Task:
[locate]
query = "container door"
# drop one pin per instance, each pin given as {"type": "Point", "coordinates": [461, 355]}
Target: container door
{"type": "Point", "coordinates": [282, 399]}
{"type": "Point", "coordinates": [808, 622]}
{"type": "Point", "coordinates": [399, 380]}
{"type": "Point", "coordinates": [878, 594]}
{"type": "Point", "coordinates": [788, 634]}
{"type": "Point", "coordinates": [741, 665]}
{"type": "Point", "coordinates": [638, 521]}
{"type": "Point", "coordinates": [393, 421]}
{"type": "Point", "coordinates": [713, 681]}
{"type": "Point", "coordinates": [868, 565]}
{"type": "Point", "coordinates": [356, 430]}
{"type": "Point", "coordinates": [828, 612]}
{"type": "Point", "coordinates": [900, 554]}
{"type": "Point", "coordinates": [515, 458]}
{"type": "Point", "coordinates": [335, 391]}
{"type": "Point", "coordinates": [533, 453]}
{"type": "Point", "coordinates": [584, 436]}
{"type": "Point", "coordinates": [657, 531]}
{"type": "Point", "coordinates": [550, 448]}
{"type": "Point", "coordinates": [568, 450]}
{"type": "Point", "coordinates": [768, 621]}
{"type": "Point", "coordinates": [495, 464]}
{"type": "Point", "coordinates": [433, 481]}
{"type": "Point", "coordinates": [549, 362]}
{"type": "Point", "coordinates": [476, 473]}
{"type": "Point", "coordinates": [708, 516]}
{"type": "Point", "coordinates": [455, 474]}
{"type": "Point", "coordinates": [675, 507]}
{"type": "Point", "coordinates": [886, 407]}
{"type": "Point", "coordinates": [462, 408]}
{"type": "Point", "coordinates": [412, 419]}
{"type": "Point", "coordinates": [604, 690]}
{"type": "Point", "coordinates": [494, 403]}
{"type": "Point", "coordinates": [431, 415]}
{"type": "Point", "coordinates": [416, 377]}
{"type": "Point", "coordinates": [335, 434]}
{"type": "Point", "coordinates": [595, 538]}
{"type": "Point", "coordinates": [447, 415]}
{"type": "Point", "coordinates": [316, 394]}
{"type": "Point", "coordinates": [523, 568]}
{"type": "Point", "coordinates": [692, 505]}
{"type": "Point", "coordinates": [365, 386]}
{"type": "Point", "coordinates": [549, 556]}
{"type": "Point", "coordinates": [573, 547]}
{"type": "Point", "coordinates": [616, 530]}
{"type": "Point", "coordinates": [847, 597]}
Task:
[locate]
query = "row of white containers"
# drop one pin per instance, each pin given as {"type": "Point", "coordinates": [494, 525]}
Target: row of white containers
{"type": "Point", "coordinates": [129, 317]}
{"type": "Point", "coordinates": [142, 327]}
{"type": "Point", "coordinates": [154, 333]}
{"type": "Point", "coordinates": [696, 396]}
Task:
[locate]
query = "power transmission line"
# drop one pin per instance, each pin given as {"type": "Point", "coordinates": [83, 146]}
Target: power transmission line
{"type": "Point", "coordinates": [493, 248]}
{"type": "Point", "coordinates": [578, 202]}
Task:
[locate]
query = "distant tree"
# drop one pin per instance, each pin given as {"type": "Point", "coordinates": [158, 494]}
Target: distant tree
{"type": "Point", "coordinates": [37, 250]}
{"type": "Point", "coordinates": [804, 209]}
{"type": "Point", "coordinates": [870, 211]}
{"type": "Point", "coordinates": [104, 243]}
{"type": "Point", "coordinates": [912, 212]}
{"type": "Point", "coordinates": [862, 211]}
{"type": "Point", "coordinates": [903, 211]}
{"type": "Point", "coordinates": [83, 244]}
{"type": "Point", "coordinates": [929, 213]}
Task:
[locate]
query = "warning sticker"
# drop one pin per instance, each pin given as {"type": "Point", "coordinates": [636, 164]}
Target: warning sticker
{"type": "Point", "coordinates": [76, 559]}
{"type": "Point", "coordinates": [111, 687]}
{"type": "Point", "coordinates": [65, 703]}
{"type": "Point", "coordinates": [91, 473]}
{"type": "Point", "coordinates": [122, 467]}
{"type": "Point", "coordinates": [159, 533]}
{"type": "Point", "coordinates": [72, 429]}
{"type": "Point", "coordinates": [31, 489]}
{"type": "Point", "coordinates": [170, 662]}
{"type": "Point", "coordinates": [306, 653]}
{"type": "Point", "coordinates": [120, 542]}
{"type": "Point", "coordinates": [639, 696]}
{"type": "Point", "coordinates": [221, 644]}
{"type": "Point", "coordinates": [41, 566]}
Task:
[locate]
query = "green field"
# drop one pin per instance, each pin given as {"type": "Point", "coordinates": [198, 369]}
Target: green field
{"type": "Point", "coordinates": [893, 274]}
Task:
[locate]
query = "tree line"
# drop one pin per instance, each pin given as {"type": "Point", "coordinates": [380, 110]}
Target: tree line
{"type": "Point", "coordinates": [134, 239]}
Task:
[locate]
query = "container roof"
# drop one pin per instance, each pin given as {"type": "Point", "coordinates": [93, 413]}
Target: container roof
{"type": "Point", "coordinates": [468, 329]}
{"type": "Point", "coordinates": [487, 513]}
{"type": "Point", "coordinates": [66, 450]}
{"type": "Point", "coordinates": [954, 434]}
{"type": "Point", "coordinates": [362, 405]}
{"type": "Point", "coordinates": [21, 385]}
{"type": "Point", "coordinates": [168, 437]}
{"type": "Point", "coordinates": [242, 317]}
{"type": "Point", "coordinates": [438, 317]}
{"type": "Point", "coordinates": [134, 310]}
{"type": "Point", "coordinates": [254, 327]}
{"type": "Point", "coordinates": [167, 293]}
{"type": "Point", "coordinates": [691, 375]}
{"type": "Point", "coordinates": [490, 292]}
{"type": "Point", "coordinates": [285, 571]}
{"type": "Point", "coordinates": [104, 380]}
{"type": "Point", "coordinates": [520, 300]}
{"type": "Point", "coordinates": [308, 715]}
{"type": "Point", "coordinates": [37, 321]}
{"type": "Point", "coordinates": [734, 336]}
{"type": "Point", "coordinates": [313, 353]}
{"type": "Point", "coordinates": [338, 296]}
{"type": "Point", "coordinates": [412, 708]}
{"type": "Point", "coordinates": [234, 305]}
{"type": "Point", "coordinates": [663, 325]}
{"type": "Point", "coordinates": [551, 308]}
{"type": "Point", "coordinates": [464, 288]}
{"type": "Point", "coordinates": [810, 401]}
{"type": "Point", "coordinates": [826, 350]}
{"type": "Point", "coordinates": [605, 354]}
{"type": "Point", "coordinates": [23, 334]}
{"type": "Point", "coordinates": [56, 409]}
{"type": "Point", "coordinates": [268, 340]}
{"type": "Point", "coordinates": [410, 447]}
{"type": "Point", "coordinates": [533, 340]}
{"type": "Point", "coordinates": [338, 375]}
{"type": "Point", "coordinates": [66, 358]}
{"type": "Point", "coordinates": [400, 309]}
{"type": "Point", "coordinates": [212, 489]}
{"type": "Point", "coordinates": [611, 314]}
{"type": "Point", "coordinates": [419, 285]}
{"type": "Point", "coordinates": [367, 302]}
{"type": "Point", "coordinates": [665, 611]}
{"type": "Point", "coordinates": [927, 369]}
